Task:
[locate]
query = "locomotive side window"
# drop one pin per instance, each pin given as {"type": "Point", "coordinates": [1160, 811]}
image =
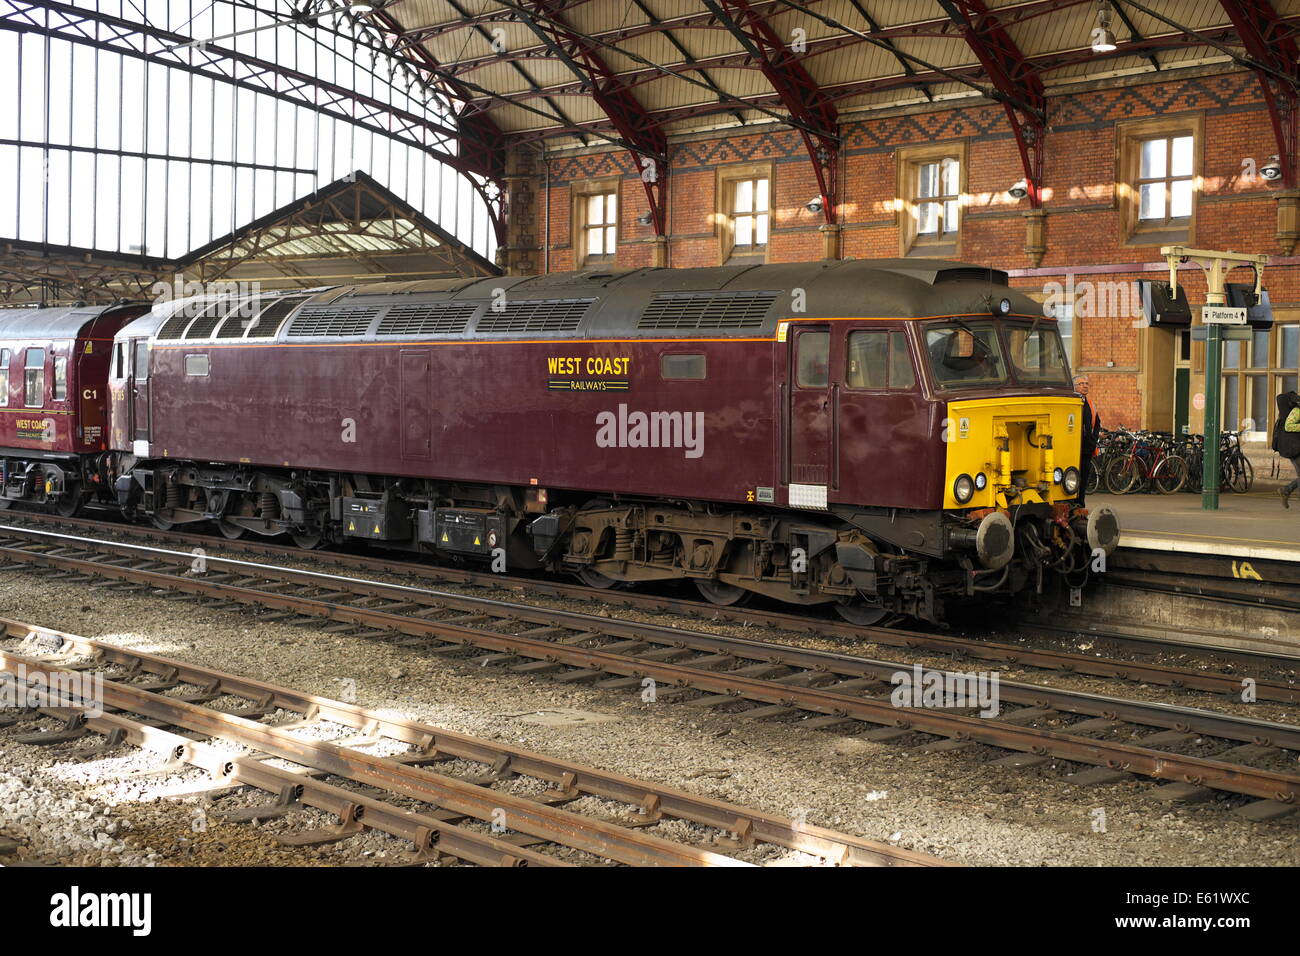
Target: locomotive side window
{"type": "Point", "coordinates": [879, 360]}
{"type": "Point", "coordinates": [34, 378]}
{"type": "Point", "coordinates": [4, 376]}
{"type": "Point", "coordinates": [901, 374]}
{"type": "Point", "coordinates": [119, 361]}
{"type": "Point", "coordinates": [196, 364]}
{"type": "Point", "coordinates": [142, 360]}
{"type": "Point", "coordinates": [868, 360]}
{"type": "Point", "coordinates": [814, 359]}
{"type": "Point", "coordinates": [60, 378]}
{"type": "Point", "coordinates": [678, 366]}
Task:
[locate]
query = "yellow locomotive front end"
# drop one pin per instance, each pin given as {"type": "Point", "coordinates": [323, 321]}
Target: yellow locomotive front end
{"type": "Point", "coordinates": [1003, 452]}
{"type": "Point", "coordinates": [1013, 472]}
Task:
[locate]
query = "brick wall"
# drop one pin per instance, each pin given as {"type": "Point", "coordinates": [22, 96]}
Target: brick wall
{"type": "Point", "coordinates": [1083, 223]}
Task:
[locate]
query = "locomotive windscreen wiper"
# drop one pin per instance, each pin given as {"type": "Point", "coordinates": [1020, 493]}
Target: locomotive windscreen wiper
{"type": "Point", "coordinates": [974, 338]}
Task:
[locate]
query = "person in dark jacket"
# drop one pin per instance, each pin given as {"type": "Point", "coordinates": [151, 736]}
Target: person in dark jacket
{"type": "Point", "coordinates": [1286, 439]}
{"type": "Point", "coordinates": [1088, 436]}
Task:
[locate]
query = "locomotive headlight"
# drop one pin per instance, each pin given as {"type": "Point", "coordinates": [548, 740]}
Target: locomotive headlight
{"type": "Point", "coordinates": [981, 481]}
{"type": "Point", "coordinates": [1070, 481]}
{"type": "Point", "coordinates": [963, 489]}
{"type": "Point", "coordinates": [1000, 306]}
{"type": "Point", "coordinates": [1057, 476]}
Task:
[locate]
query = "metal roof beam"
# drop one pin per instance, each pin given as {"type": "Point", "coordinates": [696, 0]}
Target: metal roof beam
{"type": "Point", "coordinates": [1043, 63]}
{"type": "Point", "coordinates": [645, 138]}
{"type": "Point", "coordinates": [1012, 75]}
{"type": "Point", "coordinates": [1268, 40]}
{"type": "Point", "coordinates": [798, 92]}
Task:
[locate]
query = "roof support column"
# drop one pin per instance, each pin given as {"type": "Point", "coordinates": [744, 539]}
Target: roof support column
{"type": "Point", "coordinates": [1270, 43]}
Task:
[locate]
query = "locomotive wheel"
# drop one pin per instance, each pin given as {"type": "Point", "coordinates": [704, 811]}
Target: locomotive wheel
{"type": "Point", "coordinates": [68, 505]}
{"type": "Point", "coordinates": [232, 531]}
{"type": "Point", "coordinates": [5, 503]}
{"type": "Point", "coordinates": [594, 579]}
{"type": "Point", "coordinates": [724, 595]}
{"type": "Point", "coordinates": [862, 615]}
{"type": "Point", "coordinates": [162, 524]}
{"type": "Point", "coordinates": [307, 540]}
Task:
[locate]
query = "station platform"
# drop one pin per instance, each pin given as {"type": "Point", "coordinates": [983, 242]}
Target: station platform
{"type": "Point", "coordinates": [1251, 526]}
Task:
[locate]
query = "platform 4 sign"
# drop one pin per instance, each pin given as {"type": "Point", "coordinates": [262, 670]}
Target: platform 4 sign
{"type": "Point", "coordinates": [1223, 315]}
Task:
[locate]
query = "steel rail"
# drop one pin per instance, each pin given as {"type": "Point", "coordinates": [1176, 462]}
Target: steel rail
{"type": "Point", "coordinates": [431, 836]}
{"type": "Point", "coordinates": [999, 733]}
{"type": "Point", "coordinates": [550, 823]}
{"type": "Point", "coordinates": [977, 649]}
{"type": "Point", "coordinates": [848, 665]}
{"type": "Point", "coordinates": [571, 779]}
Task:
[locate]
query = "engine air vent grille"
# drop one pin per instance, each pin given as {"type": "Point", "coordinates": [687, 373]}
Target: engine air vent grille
{"type": "Point", "coordinates": [202, 327]}
{"type": "Point", "coordinates": [336, 323]}
{"type": "Point", "coordinates": [439, 318]}
{"type": "Point", "coordinates": [707, 310]}
{"type": "Point", "coordinates": [536, 315]}
{"type": "Point", "coordinates": [175, 326]}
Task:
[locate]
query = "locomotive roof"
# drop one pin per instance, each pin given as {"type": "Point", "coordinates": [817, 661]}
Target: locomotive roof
{"type": "Point", "coordinates": [59, 322]}
{"type": "Point", "coordinates": [722, 301]}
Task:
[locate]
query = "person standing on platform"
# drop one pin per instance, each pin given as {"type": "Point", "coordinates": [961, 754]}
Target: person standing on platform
{"type": "Point", "coordinates": [1286, 439]}
{"type": "Point", "coordinates": [1088, 437]}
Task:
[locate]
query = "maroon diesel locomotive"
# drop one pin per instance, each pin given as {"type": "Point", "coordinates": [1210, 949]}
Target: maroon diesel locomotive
{"type": "Point", "coordinates": [881, 436]}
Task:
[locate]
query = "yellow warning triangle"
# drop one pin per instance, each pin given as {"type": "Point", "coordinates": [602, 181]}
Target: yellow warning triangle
{"type": "Point", "coordinates": [444, 536]}
{"type": "Point", "coordinates": [377, 529]}
{"type": "Point", "coordinates": [352, 526]}
{"type": "Point", "coordinates": [476, 540]}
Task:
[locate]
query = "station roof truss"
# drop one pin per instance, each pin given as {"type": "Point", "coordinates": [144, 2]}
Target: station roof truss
{"type": "Point", "coordinates": [572, 73]}
{"type": "Point", "coordinates": [354, 230]}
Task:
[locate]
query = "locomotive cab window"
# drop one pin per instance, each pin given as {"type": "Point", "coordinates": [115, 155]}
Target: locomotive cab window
{"type": "Point", "coordinates": [681, 366]}
{"type": "Point", "coordinates": [878, 359]}
{"type": "Point", "coordinates": [1038, 355]}
{"type": "Point", "coordinates": [813, 359]}
{"type": "Point", "coordinates": [118, 371]}
{"type": "Point", "coordinates": [4, 376]}
{"type": "Point", "coordinates": [60, 378]}
{"type": "Point", "coordinates": [34, 378]}
{"type": "Point", "coordinates": [964, 354]}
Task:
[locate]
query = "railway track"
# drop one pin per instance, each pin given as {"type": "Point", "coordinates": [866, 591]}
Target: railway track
{"type": "Point", "coordinates": [975, 648]}
{"type": "Point", "coordinates": [1115, 737]}
{"type": "Point", "coordinates": [163, 705]}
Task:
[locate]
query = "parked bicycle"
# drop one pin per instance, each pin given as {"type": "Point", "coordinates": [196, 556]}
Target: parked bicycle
{"type": "Point", "coordinates": [1149, 461]}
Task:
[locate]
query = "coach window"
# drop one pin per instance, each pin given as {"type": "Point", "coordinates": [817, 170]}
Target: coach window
{"type": "Point", "coordinates": [682, 366]}
{"type": "Point", "coordinates": [60, 378]}
{"type": "Point", "coordinates": [814, 359]}
{"type": "Point", "coordinates": [931, 183]}
{"type": "Point", "coordinates": [34, 378]}
{"type": "Point", "coordinates": [1158, 179]}
{"type": "Point", "coordinates": [879, 360]}
{"type": "Point", "coordinates": [4, 376]}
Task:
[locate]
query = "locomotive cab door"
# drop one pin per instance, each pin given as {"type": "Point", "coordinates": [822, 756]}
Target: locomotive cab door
{"type": "Point", "coordinates": [813, 392]}
{"type": "Point", "coordinates": [138, 390]}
